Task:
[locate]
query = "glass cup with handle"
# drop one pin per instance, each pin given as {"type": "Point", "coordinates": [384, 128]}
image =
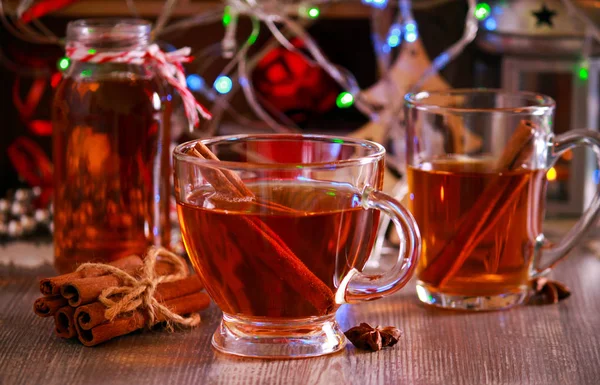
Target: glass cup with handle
{"type": "Point", "coordinates": [476, 164]}
{"type": "Point", "coordinates": [279, 228]}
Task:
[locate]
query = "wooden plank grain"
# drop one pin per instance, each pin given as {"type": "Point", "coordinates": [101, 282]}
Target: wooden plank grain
{"type": "Point", "coordinates": [557, 344]}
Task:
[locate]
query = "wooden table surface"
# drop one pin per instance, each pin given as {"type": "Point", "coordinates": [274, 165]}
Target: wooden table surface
{"type": "Point", "coordinates": [555, 344]}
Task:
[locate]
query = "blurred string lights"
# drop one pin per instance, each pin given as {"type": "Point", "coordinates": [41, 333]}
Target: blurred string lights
{"type": "Point", "coordinates": [63, 63]}
{"type": "Point", "coordinates": [195, 82]}
{"type": "Point", "coordinates": [404, 30]}
{"type": "Point", "coordinates": [376, 3]}
{"type": "Point", "coordinates": [482, 10]}
{"type": "Point", "coordinates": [289, 18]}
{"type": "Point", "coordinates": [469, 33]}
{"type": "Point", "coordinates": [223, 84]}
{"type": "Point", "coordinates": [584, 71]}
{"type": "Point", "coordinates": [278, 17]}
{"type": "Point", "coordinates": [344, 100]}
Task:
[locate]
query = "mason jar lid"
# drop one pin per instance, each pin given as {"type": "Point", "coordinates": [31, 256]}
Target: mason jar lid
{"type": "Point", "coordinates": [109, 33]}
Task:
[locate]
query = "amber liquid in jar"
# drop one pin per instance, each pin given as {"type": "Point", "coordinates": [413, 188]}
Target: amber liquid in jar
{"type": "Point", "coordinates": [112, 168]}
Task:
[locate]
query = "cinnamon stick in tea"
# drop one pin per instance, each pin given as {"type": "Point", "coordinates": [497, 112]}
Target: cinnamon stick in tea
{"type": "Point", "coordinates": [232, 178]}
{"type": "Point", "coordinates": [86, 290]}
{"type": "Point", "coordinates": [91, 315]}
{"type": "Point", "coordinates": [485, 213]}
{"type": "Point", "coordinates": [65, 323]}
{"type": "Point", "coordinates": [137, 320]}
{"type": "Point", "coordinates": [51, 286]}
{"type": "Point", "coordinates": [231, 184]}
{"type": "Point", "coordinates": [518, 147]}
{"type": "Point", "coordinates": [279, 257]}
{"type": "Point", "coordinates": [48, 305]}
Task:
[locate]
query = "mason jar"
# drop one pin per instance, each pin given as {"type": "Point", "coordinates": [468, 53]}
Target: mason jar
{"type": "Point", "coordinates": [111, 138]}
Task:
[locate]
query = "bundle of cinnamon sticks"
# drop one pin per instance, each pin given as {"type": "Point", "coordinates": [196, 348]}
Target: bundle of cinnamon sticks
{"type": "Point", "coordinates": [72, 299]}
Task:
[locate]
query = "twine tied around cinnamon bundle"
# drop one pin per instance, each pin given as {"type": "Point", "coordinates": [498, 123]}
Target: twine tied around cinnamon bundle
{"type": "Point", "coordinates": [138, 293]}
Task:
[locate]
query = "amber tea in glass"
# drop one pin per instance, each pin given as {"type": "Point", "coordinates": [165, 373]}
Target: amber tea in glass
{"type": "Point", "coordinates": [326, 221]}
{"type": "Point", "coordinates": [442, 201]}
{"type": "Point", "coordinates": [279, 230]}
{"type": "Point", "coordinates": [477, 163]}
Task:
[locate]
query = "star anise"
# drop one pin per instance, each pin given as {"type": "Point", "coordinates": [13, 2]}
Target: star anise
{"type": "Point", "coordinates": [545, 291]}
{"type": "Point", "coordinates": [366, 337]}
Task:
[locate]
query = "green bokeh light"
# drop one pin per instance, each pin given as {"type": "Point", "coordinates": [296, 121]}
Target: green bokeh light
{"type": "Point", "coordinates": [86, 73]}
{"type": "Point", "coordinates": [584, 73]}
{"type": "Point", "coordinates": [64, 63]}
{"type": "Point", "coordinates": [227, 16]}
{"type": "Point", "coordinates": [313, 12]}
{"type": "Point", "coordinates": [91, 51]}
{"type": "Point", "coordinates": [344, 100]}
{"type": "Point", "coordinates": [393, 41]}
{"type": "Point", "coordinates": [252, 38]}
{"type": "Point", "coordinates": [223, 84]}
{"type": "Point", "coordinates": [482, 10]}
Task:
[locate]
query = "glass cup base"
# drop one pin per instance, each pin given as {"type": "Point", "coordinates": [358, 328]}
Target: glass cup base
{"type": "Point", "coordinates": [433, 297]}
{"type": "Point", "coordinates": [270, 338]}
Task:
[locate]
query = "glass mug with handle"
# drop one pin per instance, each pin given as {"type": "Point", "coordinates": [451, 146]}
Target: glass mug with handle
{"type": "Point", "coordinates": [279, 228]}
{"type": "Point", "coordinates": [477, 164]}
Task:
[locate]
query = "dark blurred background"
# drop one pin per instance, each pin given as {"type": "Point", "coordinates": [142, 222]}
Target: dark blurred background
{"type": "Point", "coordinates": [28, 71]}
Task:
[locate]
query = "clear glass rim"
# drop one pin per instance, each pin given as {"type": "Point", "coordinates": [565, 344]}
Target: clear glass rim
{"type": "Point", "coordinates": [378, 151]}
{"type": "Point", "coordinates": [138, 27]}
{"type": "Point", "coordinates": [540, 103]}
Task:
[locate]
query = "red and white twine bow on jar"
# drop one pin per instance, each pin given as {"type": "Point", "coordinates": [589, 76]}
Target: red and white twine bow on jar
{"type": "Point", "coordinates": [168, 65]}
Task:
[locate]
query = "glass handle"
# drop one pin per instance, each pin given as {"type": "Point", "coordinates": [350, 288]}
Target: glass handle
{"type": "Point", "coordinates": [399, 191]}
{"type": "Point", "coordinates": [562, 143]}
{"type": "Point", "coordinates": [357, 286]}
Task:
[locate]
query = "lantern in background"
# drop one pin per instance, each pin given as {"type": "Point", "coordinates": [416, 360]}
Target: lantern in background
{"type": "Point", "coordinates": [545, 49]}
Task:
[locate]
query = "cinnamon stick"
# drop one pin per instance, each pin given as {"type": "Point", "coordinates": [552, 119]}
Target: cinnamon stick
{"type": "Point", "coordinates": [279, 257]}
{"type": "Point", "coordinates": [137, 320]}
{"type": "Point", "coordinates": [518, 148]}
{"type": "Point", "coordinates": [486, 211]}
{"type": "Point", "coordinates": [232, 178]}
{"type": "Point", "coordinates": [65, 323]}
{"type": "Point", "coordinates": [48, 305]}
{"type": "Point", "coordinates": [230, 183]}
{"type": "Point", "coordinates": [91, 315]}
{"type": "Point", "coordinates": [51, 286]}
{"type": "Point", "coordinates": [86, 290]}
